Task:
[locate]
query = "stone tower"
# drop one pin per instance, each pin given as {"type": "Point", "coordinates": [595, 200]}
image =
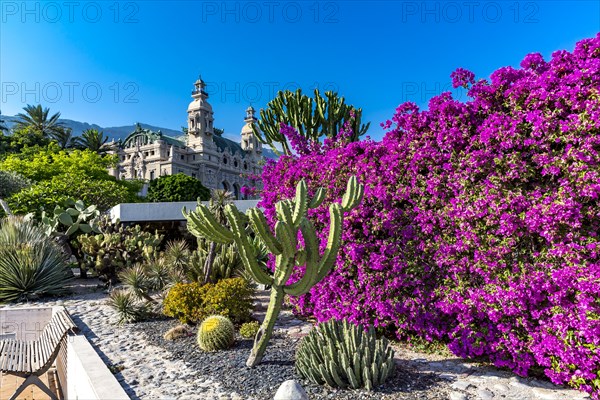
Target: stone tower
{"type": "Point", "coordinates": [249, 142]}
{"type": "Point", "coordinates": [200, 118]}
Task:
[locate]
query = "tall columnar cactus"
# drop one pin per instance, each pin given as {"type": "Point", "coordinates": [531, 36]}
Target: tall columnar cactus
{"type": "Point", "coordinates": [291, 215]}
{"type": "Point", "coordinates": [340, 354]}
{"type": "Point", "coordinates": [312, 117]}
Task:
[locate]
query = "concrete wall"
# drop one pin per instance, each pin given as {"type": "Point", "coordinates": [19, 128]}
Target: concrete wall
{"type": "Point", "coordinates": [88, 378]}
{"type": "Point", "coordinates": [163, 212]}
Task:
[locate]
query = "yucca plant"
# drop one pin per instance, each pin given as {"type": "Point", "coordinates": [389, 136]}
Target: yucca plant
{"type": "Point", "coordinates": [128, 307]}
{"type": "Point", "coordinates": [31, 264]}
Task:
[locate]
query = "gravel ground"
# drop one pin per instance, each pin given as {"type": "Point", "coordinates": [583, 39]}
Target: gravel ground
{"type": "Point", "coordinates": [228, 367]}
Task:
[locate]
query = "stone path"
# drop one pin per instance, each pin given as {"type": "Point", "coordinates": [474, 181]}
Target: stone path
{"type": "Point", "coordinates": [146, 373]}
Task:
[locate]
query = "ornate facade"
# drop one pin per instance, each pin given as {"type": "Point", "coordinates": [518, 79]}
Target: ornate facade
{"type": "Point", "coordinates": [219, 163]}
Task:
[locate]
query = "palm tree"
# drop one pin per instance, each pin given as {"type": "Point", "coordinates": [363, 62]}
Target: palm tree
{"type": "Point", "coordinates": [219, 198]}
{"type": "Point", "coordinates": [37, 119]}
{"type": "Point", "coordinates": [65, 139]}
{"type": "Point", "coordinates": [94, 140]}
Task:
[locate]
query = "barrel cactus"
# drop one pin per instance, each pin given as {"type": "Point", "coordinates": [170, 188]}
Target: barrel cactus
{"type": "Point", "coordinates": [216, 333]}
{"type": "Point", "coordinates": [341, 354]}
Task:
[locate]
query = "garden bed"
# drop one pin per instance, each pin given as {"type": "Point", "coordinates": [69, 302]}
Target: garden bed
{"type": "Point", "coordinates": [228, 367]}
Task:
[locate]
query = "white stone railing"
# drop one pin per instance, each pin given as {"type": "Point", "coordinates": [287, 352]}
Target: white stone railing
{"type": "Point", "coordinates": [162, 212]}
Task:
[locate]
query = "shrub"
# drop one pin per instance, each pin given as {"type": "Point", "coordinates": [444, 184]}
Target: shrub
{"type": "Point", "coordinates": [183, 301]}
{"type": "Point", "coordinates": [192, 302]}
{"type": "Point", "coordinates": [340, 354]}
{"type": "Point", "coordinates": [216, 333]}
{"type": "Point", "coordinates": [12, 182]}
{"type": "Point", "coordinates": [231, 298]}
{"type": "Point", "coordinates": [178, 187]}
{"type": "Point", "coordinates": [480, 220]}
{"type": "Point", "coordinates": [31, 264]}
{"type": "Point", "coordinates": [248, 330]}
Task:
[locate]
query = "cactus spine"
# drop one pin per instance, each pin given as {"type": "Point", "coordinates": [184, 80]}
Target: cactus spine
{"type": "Point", "coordinates": [216, 333]}
{"type": "Point", "coordinates": [291, 215]}
{"type": "Point", "coordinates": [340, 354]}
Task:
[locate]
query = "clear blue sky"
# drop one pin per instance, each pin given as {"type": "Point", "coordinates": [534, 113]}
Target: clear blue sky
{"type": "Point", "coordinates": [116, 63]}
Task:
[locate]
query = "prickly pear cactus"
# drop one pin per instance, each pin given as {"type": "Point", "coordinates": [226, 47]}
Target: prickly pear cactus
{"type": "Point", "coordinates": [117, 248]}
{"type": "Point", "coordinates": [340, 354]}
{"type": "Point", "coordinates": [72, 218]}
{"type": "Point", "coordinates": [291, 215]}
{"type": "Point", "coordinates": [216, 333]}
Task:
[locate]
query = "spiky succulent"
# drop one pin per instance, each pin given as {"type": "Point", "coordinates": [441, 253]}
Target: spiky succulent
{"type": "Point", "coordinates": [216, 333]}
{"type": "Point", "coordinates": [341, 354]}
{"type": "Point", "coordinates": [128, 307]}
{"type": "Point", "coordinates": [249, 329]}
{"type": "Point", "coordinates": [31, 264]}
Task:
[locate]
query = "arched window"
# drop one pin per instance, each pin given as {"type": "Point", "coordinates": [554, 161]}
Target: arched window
{"type": "Point", "coordinates": [224, 160]}
{"type": "Point", "coordinates": [236, 191]}
{"type": "Point", "coordinates": [235, 163]}
{"type": "Point", "coordinates": [225, 185]}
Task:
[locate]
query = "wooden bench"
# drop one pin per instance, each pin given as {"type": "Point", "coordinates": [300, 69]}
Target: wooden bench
{"type": "Point", "coordinates": [32, 359]}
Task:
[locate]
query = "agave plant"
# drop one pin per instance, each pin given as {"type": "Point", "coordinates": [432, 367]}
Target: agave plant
{"type": "Point", "coordinates": [31, 264]}
{"type": "Point", "coordinates": [128, 307]}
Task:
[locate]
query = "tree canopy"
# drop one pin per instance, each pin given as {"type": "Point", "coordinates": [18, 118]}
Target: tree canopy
{"type": "Point", "coordinates": [178, 187]}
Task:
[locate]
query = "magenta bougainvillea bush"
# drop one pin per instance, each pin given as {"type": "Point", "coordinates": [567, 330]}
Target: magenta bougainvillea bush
{"type": "Point", "coordinates": [480, 220]}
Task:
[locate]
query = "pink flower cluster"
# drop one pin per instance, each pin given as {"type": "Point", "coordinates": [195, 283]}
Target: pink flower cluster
{"type": "Point", "coordinates": [480, 220]}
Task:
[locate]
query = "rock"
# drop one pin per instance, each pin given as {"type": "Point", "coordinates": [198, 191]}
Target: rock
{"type": "Point", "coordinates": [461, 385]}
{"type": "Point", "coordinates": [458, 396]}
{"type": "Point", "coordinates": [447, 377]}
{"type": "Point", "coordinates": [501, 387]}
{"type": "Point", "coordinates": [544, 394]}
{"type": "Point", "coordinates": [290, 390]}
{"type": "Point", "coordinates": [485, 394]}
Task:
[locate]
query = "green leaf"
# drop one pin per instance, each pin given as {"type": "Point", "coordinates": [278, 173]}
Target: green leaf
{"type": "Point", "coordinates": [72, 229]}
{"type": "Point", "coordinates": [65, 219]}
{"type": "Point", "coordinates": [85, 228]}
{"type": "Point", "coordinates": [79, 205]}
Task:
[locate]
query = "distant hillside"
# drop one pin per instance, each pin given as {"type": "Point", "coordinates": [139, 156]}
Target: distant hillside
{"type": "Point", "coordinates": [121, 132]}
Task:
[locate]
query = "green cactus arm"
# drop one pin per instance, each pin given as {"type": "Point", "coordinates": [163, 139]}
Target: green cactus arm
{"type": "Point", "coordinates": [333, 241]}
{"type": "Point", "coordinates": [311, 246]}
{"type": "Point", "coordinates": [333, 371]}
{"type": "Point", "coordinates": [300, 203]}
{"type": "Point", "coordinates": [245, 248]}
{"type": "Point", "coordinates": [202, 221]}
{"type": "Point", "coordinates": [354, 382]}
{"type": "Point", "coordinates": [212, 224]}
{"type": "Point", "coordinates": [353, 195]}
{"type": "Point", "coordinates": [194, 225]}
{"type": "Point", "coordinates": [261, 228]}
{"type": "Point", "coordinates": [300, 257]}
{"type": "Point", "coordinates": [318, 198]}
{"type": "Point", "coordinates": [283, 209]}
{"type": "Point", "coordinates": [285, 261]}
